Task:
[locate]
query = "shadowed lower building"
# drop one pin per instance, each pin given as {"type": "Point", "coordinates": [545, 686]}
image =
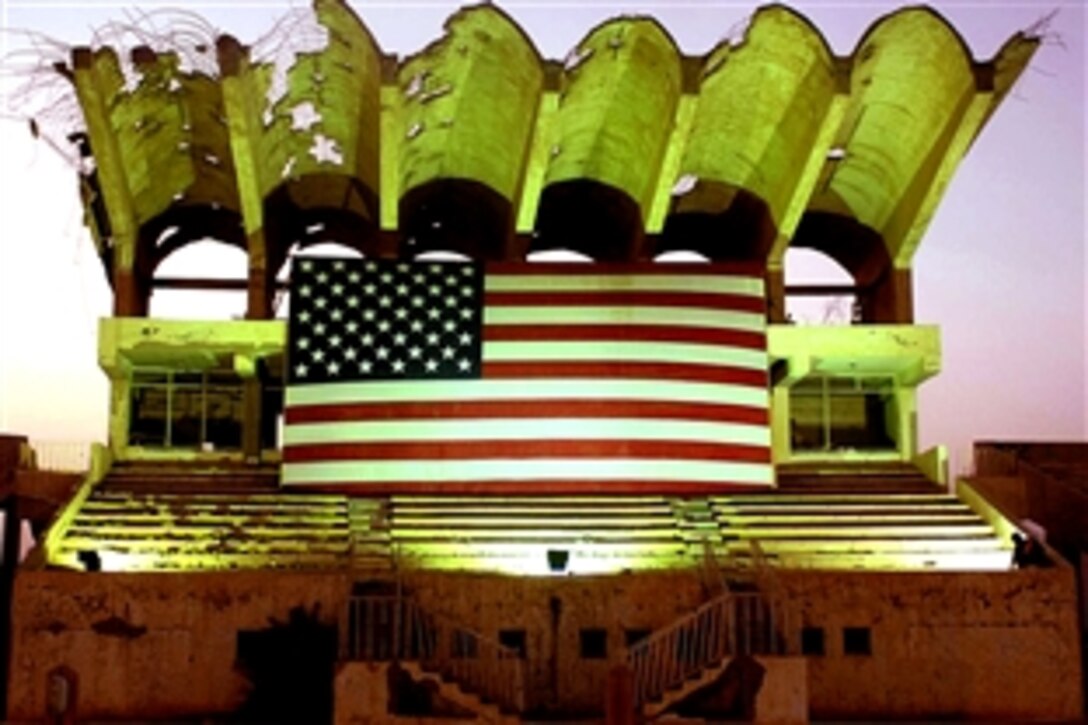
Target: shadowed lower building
{"type": "Point", "coordinates": [457, 481]}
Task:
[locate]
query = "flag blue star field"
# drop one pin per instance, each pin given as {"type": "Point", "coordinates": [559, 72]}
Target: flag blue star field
{"type": "Point", "coordinates": [525, 378]}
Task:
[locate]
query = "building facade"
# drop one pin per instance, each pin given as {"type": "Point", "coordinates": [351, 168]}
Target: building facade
{"type": "Point", "coordinates": [181, 576]}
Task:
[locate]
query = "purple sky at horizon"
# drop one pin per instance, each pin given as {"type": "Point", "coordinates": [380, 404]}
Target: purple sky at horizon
{"type": "Point", "coordinates": [1001, 268]}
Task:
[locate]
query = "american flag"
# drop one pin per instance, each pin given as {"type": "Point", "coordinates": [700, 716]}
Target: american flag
{"type": "Point", "coordinates": [525, 378]}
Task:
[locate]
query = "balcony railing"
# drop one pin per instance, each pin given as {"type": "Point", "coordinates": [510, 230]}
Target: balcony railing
{"type": "Point", "coordinates": [62, 456]}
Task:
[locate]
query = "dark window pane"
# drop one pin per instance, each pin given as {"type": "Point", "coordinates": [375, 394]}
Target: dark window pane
{"type": "Point", "coordinates": [861, 421]}
{"type": "Point", "coordinates": [188, 380]}
{"type": "Point", "coordinates": [271, 410]}
{"type": "Point", "coordinates": [224, 417]}
{"type": "Point", "coordinates": [812, 640]}
{"type": "Point", "coordinates": [147, 419]}
{"type": "Point", "coordinates": [186, 412]}
{"type": "Point", "coordinates": [806, 421]}
{"type": "Point", "coordinates": [632, 637]}
{"type": "Point", "coordinates": [593, 644]}
{"type": "Point", "coordinates": [514, 639]}
{"type": "Point", "coordinates": [856, 641]}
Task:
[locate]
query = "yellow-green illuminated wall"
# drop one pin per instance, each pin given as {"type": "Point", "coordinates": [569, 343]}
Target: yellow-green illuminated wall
{"type": "Point", "coordinates": [125, 344]}
{"type": "Point", "coordinates": [907, 354]}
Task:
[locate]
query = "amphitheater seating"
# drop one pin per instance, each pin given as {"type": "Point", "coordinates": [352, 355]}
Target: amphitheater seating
{"type": "Point", "coordinates": [168, 519]}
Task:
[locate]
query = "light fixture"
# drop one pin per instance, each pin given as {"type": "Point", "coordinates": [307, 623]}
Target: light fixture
{"type": "Point", "coordinates": [90, 560]}
{"type": "Point", "coordinates": [557, 560]}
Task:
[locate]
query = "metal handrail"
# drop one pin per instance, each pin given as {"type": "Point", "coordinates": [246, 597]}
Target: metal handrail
{"type": "Point", "coordinates": [396, 628]}
{"type": "Point", "coordinates": [731, 624]}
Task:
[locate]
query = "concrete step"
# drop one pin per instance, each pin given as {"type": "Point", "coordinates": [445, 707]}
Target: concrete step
{"type": "Point", "coordinates": [452, 692]}
{"type": "Point", "coordinates": [855, 531]}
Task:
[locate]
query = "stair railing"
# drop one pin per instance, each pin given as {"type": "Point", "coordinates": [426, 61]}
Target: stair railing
{"type": "Point", "coordinates": [671, 655]}
{"type": "Point", "coordinates": [730, 624]}
{"type": "Point", "coordinates": [387, 627]}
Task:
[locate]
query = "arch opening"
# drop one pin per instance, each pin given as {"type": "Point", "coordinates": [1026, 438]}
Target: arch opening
{"type": "Point", "coordinates": [202, 280]}
{"type": "Point", "coordinates": [281, 300]}
{"type": "Point", "coordinates": [682, 256]}
{"type": "Point", "coordinates": [442, 255]}
{"type": "Point", "coordinates": [558, 255]}
{"type": "Point", "coordinates": [819, 290]}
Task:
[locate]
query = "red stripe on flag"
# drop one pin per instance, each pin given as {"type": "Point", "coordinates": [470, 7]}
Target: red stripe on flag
{"type": "Point", "coordinates": [626, 298]}
{"type": "Point", "coordinates": [520, 449]}
{"type": "Point", "coordinates": [525, 409]}
{"type": "Point", "coordinates": [690, 372]}
{"type": "Point", "coordinates": [648, 333]}
{"type": "Point", "coordinates": [640, 269]}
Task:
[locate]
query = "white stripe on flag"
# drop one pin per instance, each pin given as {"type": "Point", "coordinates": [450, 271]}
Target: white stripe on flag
{"type": "Point", "coordinates": [578, 469]}
{"type": "Point", "coordinates": [543, 389]}
{"type": "Point", "coordinates": [638, 351]}
{"type": "Point", "coordinates": [526, 429]}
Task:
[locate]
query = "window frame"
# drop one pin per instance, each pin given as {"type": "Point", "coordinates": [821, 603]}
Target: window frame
{"type": "Point", "coordinates": [170, 385]}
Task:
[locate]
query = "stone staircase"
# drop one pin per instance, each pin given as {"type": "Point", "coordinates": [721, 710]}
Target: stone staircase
{"type": "Point", "coordinates": [452, 692]}
{"type": "Point", "coordinates": [695, 650]}
{"type": "Point", "coordinates": [467, 669]}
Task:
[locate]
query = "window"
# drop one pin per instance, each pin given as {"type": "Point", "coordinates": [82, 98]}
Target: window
{"type": "Point", "coordinates": [631, 637]}
{"type": "Point", "coordinates": [819, 290]}
{"type": "Point", "coordinates": [593, 644]}
{"type": "Point", "coordinates": [856, 641]}
{"type": "Point", "coordinates": [177, 409]}
{"type": "Point", "coordinates": [150, 410]}
{"type": "Point", "coordinates": [812, 641]}
{"type": "Point", "coordinates": [834, 413]}
{"type": "Point", "coordinates": [513, 639]}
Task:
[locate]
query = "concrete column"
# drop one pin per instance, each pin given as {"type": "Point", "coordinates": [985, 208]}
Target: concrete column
{"type": "Point", "coordinates": [130, 298]}
{"type": "Point", "coordinates": [241, 103]}
{"type": "Point", "coordinates": [891, 299]}
{"type": "Point", "coordinates": [775, 290]}
{"type": "Point", "coordinates": [249, 368]}
{"type": "Point", "coordinates": [261, 287]}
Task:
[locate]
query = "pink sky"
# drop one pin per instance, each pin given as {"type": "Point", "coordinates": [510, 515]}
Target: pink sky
{"type": "Point", "coordinates": [1001, 270]}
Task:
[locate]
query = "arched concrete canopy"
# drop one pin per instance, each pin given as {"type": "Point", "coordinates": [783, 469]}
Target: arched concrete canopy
{"type": "Point", "coordinates": [468, 108]}
{"type": "Point", "coordinates": [617, 101]}
{"type": "Point", "coordinates": [911, 83]}
{"type": "Point", "coordinates": [625, 150]}
{"type": "Point", "coordinates": [762, 105]}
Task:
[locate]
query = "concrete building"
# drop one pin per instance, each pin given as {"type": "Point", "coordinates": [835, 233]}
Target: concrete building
{"type": "Point", "coordinates": [190, 576]}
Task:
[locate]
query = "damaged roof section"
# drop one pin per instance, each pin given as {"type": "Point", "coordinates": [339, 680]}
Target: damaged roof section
{"type": "Point", "coordinates": [468, 105]}
{"type": "Point", "coordinates": [625, 149]}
